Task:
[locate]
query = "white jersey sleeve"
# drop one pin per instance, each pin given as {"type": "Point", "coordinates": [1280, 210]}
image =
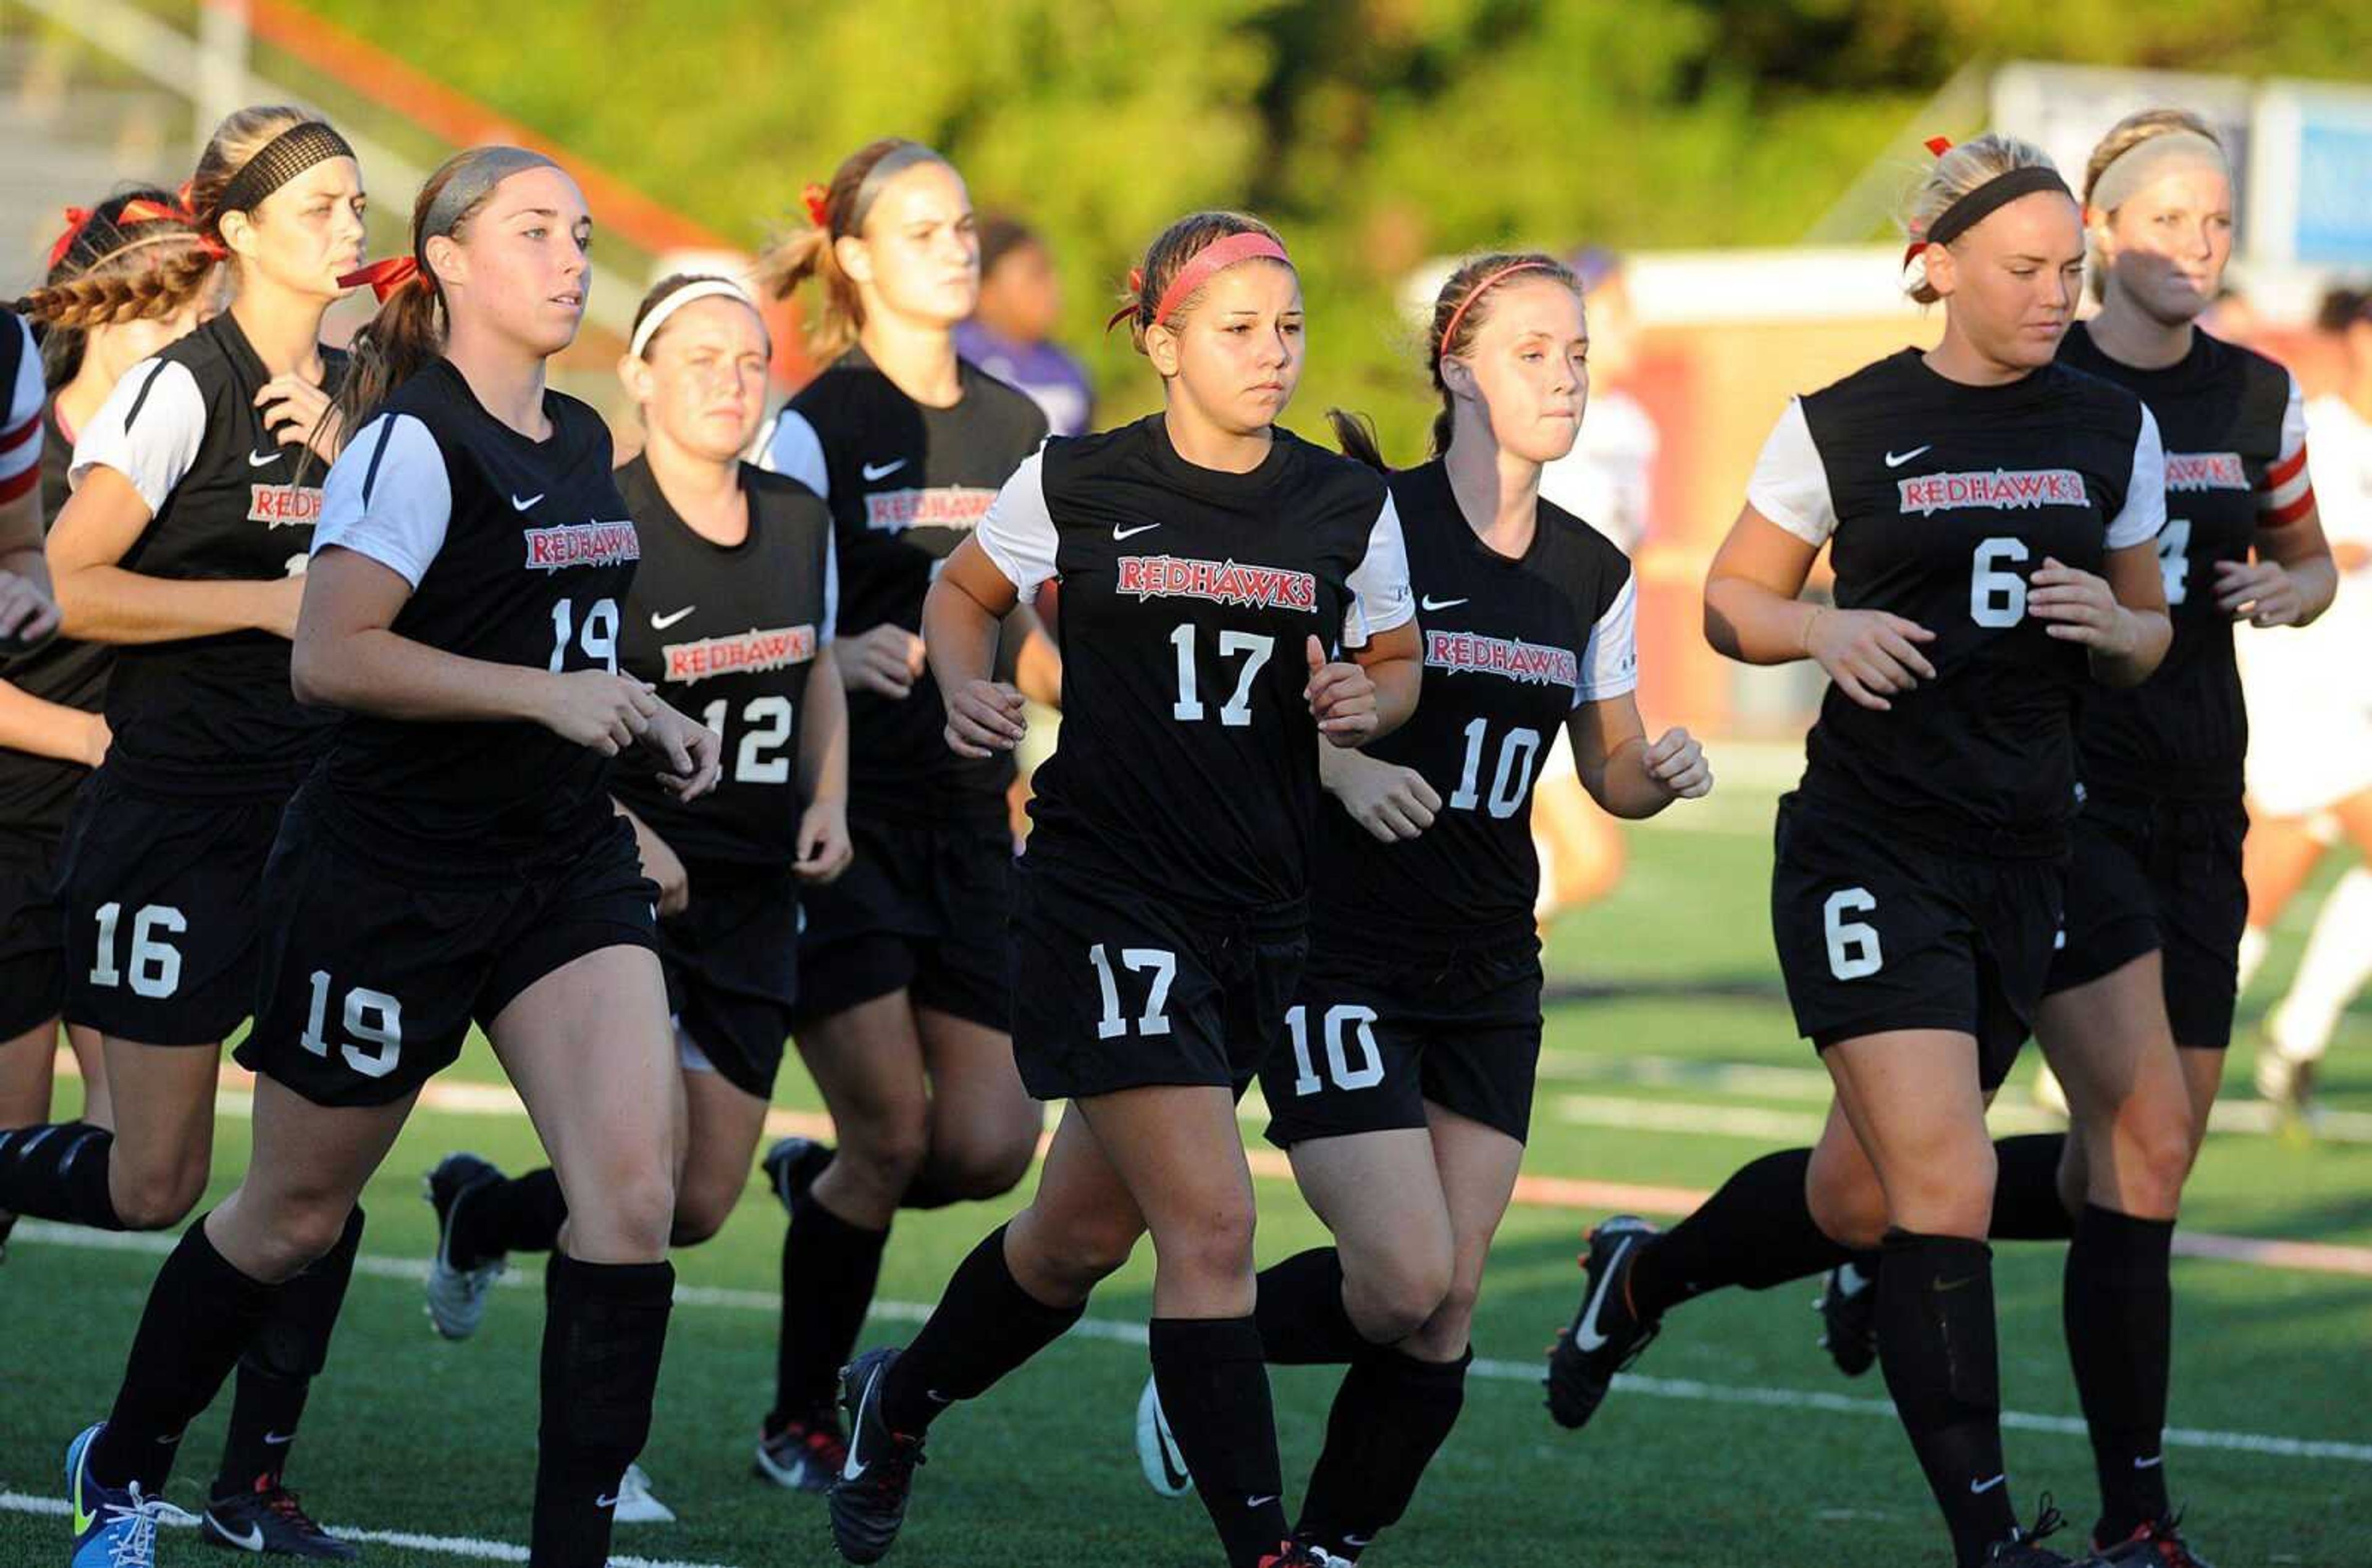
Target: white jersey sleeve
{"type": "Point", "coordinates": [1381, 598]}
{"type": "Point", "coordinates": [2144, 514]}
{"type": "Point", "coordinates": [387, 496]}
{"type": "Point", "coordinates": [1790, 485]}
{"type": "Point", "coordinates": [149, 430]}
{"type": "Point", "coordinates": [20, 420]}
{"type": "Point", "coordinates": [2286, 492]}
{"type": "Point", "coordinates": [1610, 660]}
{"type": "Point", "coordinates": [831, 585]}
{"type": "Point", "coordinates": [795, 450]}
{"type": "Point", "coordinates": [1018, 531]}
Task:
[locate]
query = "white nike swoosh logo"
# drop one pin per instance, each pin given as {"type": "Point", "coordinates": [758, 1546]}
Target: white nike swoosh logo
{"type": "Point", "coordinates": [1120, 533]}
{"type": "Point", "coordinates": [849, 1469]}
{"type": "Point", "coordinates": [883, 470]}
{"type": "Point", "coordinates": [251, 1541]}
{"type": "Point", "coordinates": [262, 459]}
{"type": "Point", "coordinates": [1263, 1502]}
{"type": "Point", "coordinates": [661, 622]}
{"type": "Point", "coordinates": [1429, 602]}
{"type": "Point", "coordinates": [519, 505]}
{"type": "Point", "coordinates": [1980, 1487]}
{"type": "Point", "coordinates": [278, 1439]}
{"type": "Point", "coordinates": [609, 1502]}
{"type": "Point", "coordinates": [1584, 1333]}
{"type": "Point", "coordinates": [2150, 1464]}
{"type": "Point", "coordinates": [1894, 460]}
{"type": "Point", "coordinates": [1357, 1543]}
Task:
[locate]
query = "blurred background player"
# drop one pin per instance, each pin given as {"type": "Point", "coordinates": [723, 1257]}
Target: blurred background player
{"type": "Point", "coordinates": [1011, 335]}
{"type": "Point", "coordinates": [2311, 760]}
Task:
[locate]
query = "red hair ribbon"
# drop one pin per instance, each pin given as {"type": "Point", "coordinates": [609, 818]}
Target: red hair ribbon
{"type": "Point", "coordinates": [1940, 146]}
{"type": "Point", "coordinates": [142, 210]}
{"type": "Point", "coordinates": [385, 277]}
{"type": "Point", "coordinates": [1216, 257]}
{"type": "Point", "coordinates": [1449, 333]}
{"type": "Point", "coordinates": [1136, 299]}
{"type": "Point", "coordinates": [817, 201]}
{"type": "Point", "coordinates": [77, 219]}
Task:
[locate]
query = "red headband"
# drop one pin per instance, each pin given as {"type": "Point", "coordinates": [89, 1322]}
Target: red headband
{"type": "Point", "coordinates": [385, 277]}
{"type": "Point", "coordinates": [1449, 333]}
{"type": "Point", "coordinates": [1216, 257]}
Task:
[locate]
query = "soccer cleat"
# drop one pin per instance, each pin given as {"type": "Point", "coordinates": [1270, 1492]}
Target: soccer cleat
{"type": "Point", "coordinates": [635, 1504]}
{"type": "Point", "coordinates": [1606, 1335]}
{"type": "Point", "coordinates": [1301, 1554]}
{"type": "Point", "coordinates": [868, 1499]}
{"type": "Point", "coordinates": [2022, 1548]}
{"type": "Point", "coordinates": [791, 1167]}
{"type": "Point", "coordinates": [2288, 1084]}
{"type": "Point", "coordinates": [270, 1519]}
{"type": "Point", "coordinates": [113, 1527]}
{"type": "Point", "coordinates": [1156, 1449]}
{"type": "Point", "coordinates": [457, 1294]}
{"type": "Point", "coordinates": [805, 1456]}
{"type": "Point", "coordinates": [1848, 1309]}
{"type": "Point", "coordinates": [2158, 1544]}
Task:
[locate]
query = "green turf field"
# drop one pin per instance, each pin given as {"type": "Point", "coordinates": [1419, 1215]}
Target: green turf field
{"type": "Point", "coordinates": [1737, 1444]}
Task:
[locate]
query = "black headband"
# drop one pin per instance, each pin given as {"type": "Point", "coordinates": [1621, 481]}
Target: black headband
{"type": "Point", "coordinates": [1981, 202]}
{"type": "Point", "coordinates": [282, 160]}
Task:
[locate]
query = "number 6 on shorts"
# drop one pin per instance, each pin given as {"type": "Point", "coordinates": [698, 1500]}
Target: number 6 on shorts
{"type": "Point", "coordinates": [1852, 944]}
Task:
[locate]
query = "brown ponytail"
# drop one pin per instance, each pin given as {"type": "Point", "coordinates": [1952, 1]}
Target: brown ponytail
{"type": "Point", "coordinates": [1462, 306]}
{"type": "Point", "coordinates": [1356, 435]}
{"type": "Point", "coordinates": [835, 211]}
{"type": "Point", "coordinates": [97, 297]}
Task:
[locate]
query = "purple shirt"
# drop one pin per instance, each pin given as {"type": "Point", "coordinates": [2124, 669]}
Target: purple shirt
{"type": "Point", "coordinates": [1052, 378]}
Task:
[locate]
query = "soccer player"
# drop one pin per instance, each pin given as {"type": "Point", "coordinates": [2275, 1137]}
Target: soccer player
{"type": "Point", "coordinates": [51, 731]}
{"type": "Point", "coordinates": [1406, 1093]}
{"type": "Point", "coordinates": [196, 490]}
{"type": "Point", "coordinates": [730, 615]}
{"type": "Point", "coordinates": [2312, 758]}
{"type": "Point", "coordinates": [903, 1013]}
{"type": "Point", "coordinates": [1995, 516]}
{"type": "Point", "coordinates": [1210, 561]}
{"type": "Point", "coordinates": [456, 856]}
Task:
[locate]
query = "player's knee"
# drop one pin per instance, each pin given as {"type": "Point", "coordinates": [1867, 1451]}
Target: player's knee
{"type": "Point", "coordinates": [153, 1197]}
{"type": "Point", "coordinates": [884, 1152]}
{"type": "Point", "coordinates": [2154, 1154]}
{"type": "Point", "coordinates": [1950, 1192]}
{"type": "Point", "coordinates": [1392, 1296]}
{"type": "Point", "coordinates": [976, 1169]}
{"type": "Point", "coordinates": [633, 1211]}
{"type": "Point", "coordinates": [1849, 1214]}
{"type": "Point", "coordinates": [700, 1214]}
{"type": "Point", "coordinates": [1073, 1258]}
{"type": "Point", "coordinates": [1213, 1247]}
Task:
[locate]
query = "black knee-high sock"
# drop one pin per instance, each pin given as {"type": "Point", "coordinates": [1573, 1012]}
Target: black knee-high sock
{"type": "Point", "coordinates": [985, 1326]}
{"type": "Point", "coordinates": [1756, 1232]}
{"type": "Point", "coordinates": [1937, 1345]}
{"type": "Point", "coordinates": [2118, 1309]}
{"type": "Point", "coordinates": [1300, 1313]}
{"type": "Point", "coordinates": [1390, 1417]}
{"type": "Point", "coordinates": [523, 1213]}
{"type": "Point", "coordinates": [58, 1172]}
{"type": "Point", "coordinates": [2027, 1205]}
{"type": "Point", "coordinates": [201, 1315]}
{"type": "Point", "coordinates": [604, 1331]}
{"type": "Point", "coordinates": [829, 1270]}
{"type": "Point", "coordinates": [278, 1369]}
{"type": "Point", "coordinates": [1213, 1375]}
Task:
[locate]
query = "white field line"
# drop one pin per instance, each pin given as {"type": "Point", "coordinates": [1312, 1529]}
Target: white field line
{"type": "Point", "coordinates": [449, 1546]}
{"type": "Point", "coordinates": [1119, 1332]}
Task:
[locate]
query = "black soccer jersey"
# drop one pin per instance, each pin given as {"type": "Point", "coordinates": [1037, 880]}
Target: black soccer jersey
{"type": "Point", "coordinates": [905, 485]}
{"type": "Point", "coordinates": [209, 715]}
{"type": "Point", "coordinates": [1942, 500]}
{"type": "Point", "coordinates": [729, 634]}
{"type": "Point", "coordinates": [1512, 647]}
{"type": "Point", "coordinates": [1187, 764]}
{"type": "Point", "coordinates": [518, 551]}
{"type": "Point", "coordinates": [37, 792]}
{"type": "Point", "coordinates": [2234, 425]}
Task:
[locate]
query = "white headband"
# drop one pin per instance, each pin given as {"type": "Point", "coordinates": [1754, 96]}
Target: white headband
{"type": "Point", "coordinates": [706, 288]}
{"type": "Point", "coordinates": [2145, 161]}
